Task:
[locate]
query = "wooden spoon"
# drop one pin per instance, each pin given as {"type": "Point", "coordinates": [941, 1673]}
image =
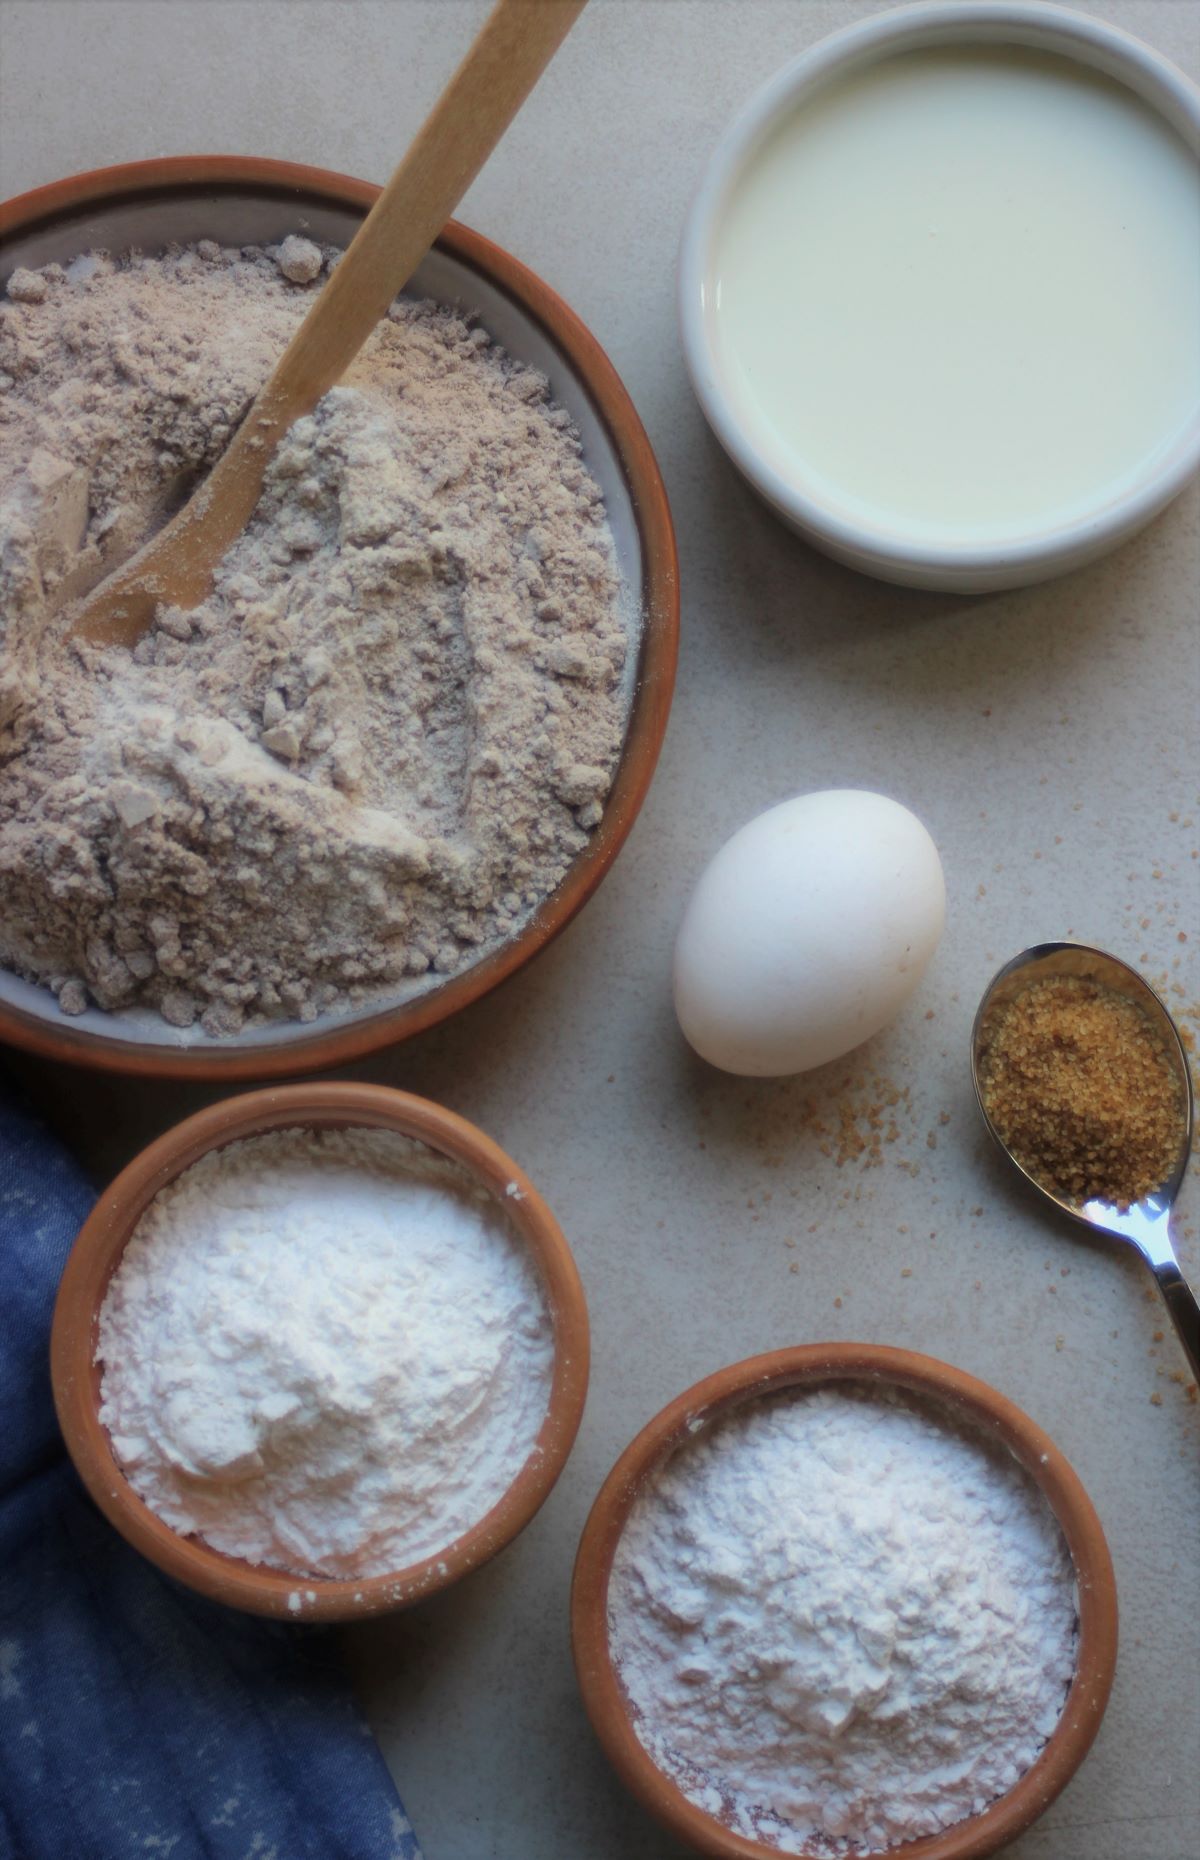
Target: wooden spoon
{"type": "Point", "coordinates": [513, 47]}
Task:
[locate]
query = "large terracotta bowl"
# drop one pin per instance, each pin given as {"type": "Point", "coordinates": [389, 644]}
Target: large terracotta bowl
{"type": "Point", "coordinates": [240, 200]}
{"type": "Point", "coordinates": [75, 1373]}
{"type": "Point", "coordinates": [964, 1397]}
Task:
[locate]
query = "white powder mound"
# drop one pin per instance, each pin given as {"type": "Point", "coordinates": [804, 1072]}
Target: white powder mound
{"type": "Point", "coordinates": [841, 1621]}
{"type": "Point", "coordinates": [325, 1352]}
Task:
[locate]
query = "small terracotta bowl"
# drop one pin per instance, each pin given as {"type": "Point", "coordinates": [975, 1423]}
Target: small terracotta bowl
{"type": "Point", "coordinates": [964, 1397]}
{"type": "Point", "coordinates": [242, 200]}
{"type": "Point", "coordinates": [93, 1260]}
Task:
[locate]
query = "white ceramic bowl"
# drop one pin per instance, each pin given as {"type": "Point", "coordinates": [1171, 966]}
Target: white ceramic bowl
{"type": "Point", "coordinates": [963, 567]}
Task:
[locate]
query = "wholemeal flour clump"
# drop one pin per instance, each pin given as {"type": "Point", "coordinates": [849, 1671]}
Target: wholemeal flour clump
{"type": "Point", "coordinates": [379, 743]}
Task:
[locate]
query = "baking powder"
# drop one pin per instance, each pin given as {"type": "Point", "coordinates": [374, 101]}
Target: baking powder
{"type": "Point", "coordinates": [842, 1621]}
{"type": "Point", "coordinates": [324, 1351]}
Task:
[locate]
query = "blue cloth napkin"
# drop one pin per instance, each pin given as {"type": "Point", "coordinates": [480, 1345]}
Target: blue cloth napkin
{"type": "Point", "coordinates": [135, 1718]}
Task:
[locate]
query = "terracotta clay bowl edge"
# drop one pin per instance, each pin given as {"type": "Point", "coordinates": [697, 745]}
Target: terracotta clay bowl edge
{"type": "Point", "coordinates": [337, 1042]}
{"type": "Point", "coordinates": [93, 1259]}
{"type": "Point", "coordinates": [976, 1401]}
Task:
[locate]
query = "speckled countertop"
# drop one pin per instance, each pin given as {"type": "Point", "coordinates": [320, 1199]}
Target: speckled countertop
{"type": "Point", "coordinates": [1047, 738]}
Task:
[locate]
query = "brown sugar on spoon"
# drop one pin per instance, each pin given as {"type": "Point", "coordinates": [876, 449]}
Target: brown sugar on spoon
{"type": "Point", "coordinates": [1079, 1087]}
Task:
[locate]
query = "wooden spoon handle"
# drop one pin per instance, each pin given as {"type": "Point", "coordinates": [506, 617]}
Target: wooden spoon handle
{"type": "Point", "coordinates": [511, 50]}
{"type": "Point", "coordinates": [513, 47]}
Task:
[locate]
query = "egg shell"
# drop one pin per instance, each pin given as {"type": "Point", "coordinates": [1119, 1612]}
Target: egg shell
{"type": "Point", "coordinates": [808, 932]}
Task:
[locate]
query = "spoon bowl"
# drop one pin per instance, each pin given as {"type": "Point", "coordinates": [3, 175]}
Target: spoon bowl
{"type": "Point", "coordinates": [1145, 1224]}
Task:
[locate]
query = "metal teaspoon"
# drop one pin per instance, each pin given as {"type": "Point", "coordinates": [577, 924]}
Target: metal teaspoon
{"type": "Point", "coordinates": [1147, 1224]}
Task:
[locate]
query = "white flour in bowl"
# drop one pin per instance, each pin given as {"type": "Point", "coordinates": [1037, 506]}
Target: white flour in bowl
{"type": "Point", "coordinates": [378, 745]}
{"type": "Point", "coordinates": [841, 1621]}
{"type": "Point", "coordinates": [324, 1351]}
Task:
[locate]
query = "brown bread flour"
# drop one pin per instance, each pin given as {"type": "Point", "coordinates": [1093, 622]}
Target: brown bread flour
{"type": "Point", "coordinates": [379, 743]}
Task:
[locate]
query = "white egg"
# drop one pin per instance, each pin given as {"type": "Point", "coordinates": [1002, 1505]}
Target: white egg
{"type": "Point", "coordinates": [808, 932]}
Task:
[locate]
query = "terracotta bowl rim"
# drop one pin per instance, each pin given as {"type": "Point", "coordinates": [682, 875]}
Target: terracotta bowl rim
{"type": "Point", "coordinates": [93, 1259]}
{"type": "Point", "coordinates": [335, 1041]}
{"type": "Point", "coordinates": [1011, 1813]}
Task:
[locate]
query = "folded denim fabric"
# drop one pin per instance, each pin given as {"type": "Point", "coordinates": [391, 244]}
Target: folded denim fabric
{"type": "Point", "coordinates": [135, 1718]}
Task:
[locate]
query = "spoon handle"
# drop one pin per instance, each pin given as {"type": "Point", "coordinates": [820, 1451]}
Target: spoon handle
{"type": "Point", "coordinates": [511, 50]}
{"type": "Point", "coordinates": [1181, 1303]}
{"type": "Point", "coordinates": [513, 47]}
